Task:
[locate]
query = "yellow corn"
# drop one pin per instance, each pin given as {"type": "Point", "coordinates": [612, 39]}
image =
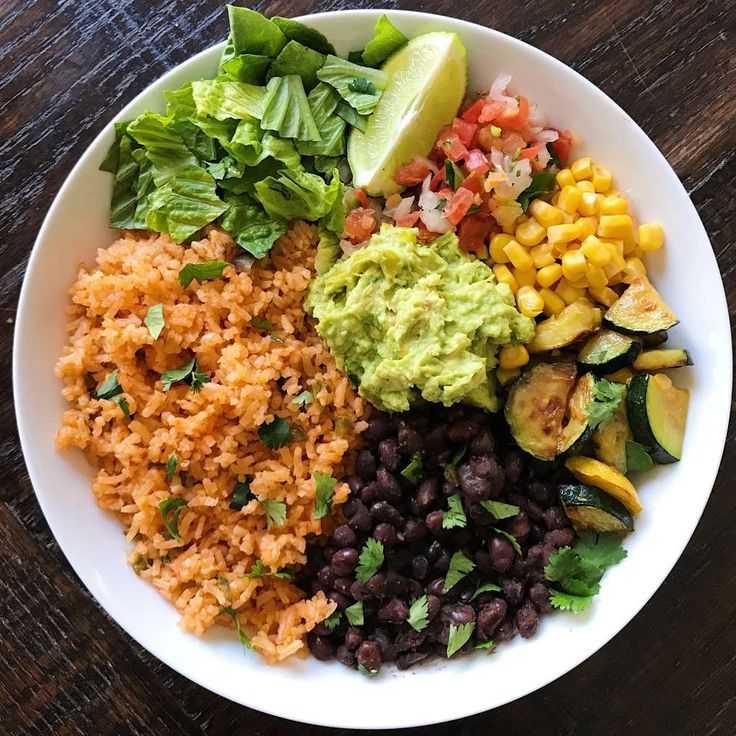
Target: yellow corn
{"type": "Point", "coordinates": [569, 199]}
{"type": "Point", "coordinates": [552, 303]}
{"type": "Point", "coordinates": [504, 276]}
{"type": "Point", "coordinates": [581, 283]}
{"type": "Point", "coordinates": [513, 356]}
{"type": "Point", "coordinates": [565, 178]}
{"type": "Point", "coordinates": [567, 292]}
{"type": "Point", "coordinates": [634, 267]}
{"type": "Point", "coordinates": [497, 245]}
{"type": "Point", "coordinates": [616, 265]}
{"type": "Point", "coordinates": [525, 278]}
{"type": "Point", "coordinates": [582, 168]}
{"type": "Point", "coordinates": [588, 203]}
{"type": "Point", "coordinates": [596, 276]}
{"type": "Point", "coordinates": [614, 205]}
{"type": "Point", "coordinates": [505, 377]}
{"type": "Point", "coordinates": [518, 256]}
{"type": "Point", "coordinates": [595, 251]}
{"type": "Point", "coordinates": [629, 245]}
{"type": "Point", "coordinates": [509, 228]}
{"type": "Point", "coordinates": [601, 178]}
{"type": "Point", "coordinates": [563, 233]}
{"type": "Point", "coordinates": [615, 226]}
{"type": "Point", "coordinates": [587, 225]}
{"type": "Point", "coordinates": [585, 186]}
{"type": "Point", "coordinates": [530, 232]}
{"type": "Point", "coordinates": [545, 213]}
{"type": "Point", "coordinates": [651, 237]}
{"type": "Point", "coordinates": [604, 296]}
{"type": "Point", "coordinates": [549, 275]}
{"type": "Point", "coordinates": [529, 301]}
{"type": "Point", "coordinates": [573, 265]}
{"type": "Point", "coordinates": [541, 255]}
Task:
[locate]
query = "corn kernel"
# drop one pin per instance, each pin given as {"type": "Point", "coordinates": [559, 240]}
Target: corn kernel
{"type": "Point", "coordinates": [651, 237]}
{"type": "Point", "coordinates": [529, 301]}
{"type": "Point", "coordinates": [615, 266]}
{"type": "Point", "coordinates": [623, 375]}
{"type": "Point", "coordinates": [569, 199]}
{"type": "Point", "coordinates": [588, 226]}
{"type": "Point", "coordinates": [525, 278]}
{"type": "Point", "coordinates": [595, 251]}
{"type": "Point", "coordinates": [634, 267]}
{"type": "Point", "coordinates": [530, 233]}
{"type": "Point", "coordinates": [563, 233]}
{"type": "Point", "coordinates": [601, 178]}
{"type": "Point", "coordinates": [497, 245]}
{"type": "Point", "coordinates": [565, 178]}
{"type": "Point", "coordinates": [541, 255]}
{"type": "Point", "coordinates": [582, 168]}
{"type": "Point", "coordinates": [573, 265]}
{"type": "Point", "coordinates": [614, 205]}
{"type": "Point", "coordinates": [545, 213]}
{"type": "Point", "coordinates": [629, 245]}
{"type": "Point", "coordinates": [604, 296]}
{"type": "Point", "coordinates": [513, 356]}
{"type": "Point", "coordinates": [552, 303]}
{"type": "Point", "coordinates": [504, 276]}
{"type": "Point", "coordinates": [615, 226]}
{"type": "Point", "coordinates": [581, 283]}
{"type": "Point", "coordinates": [549, 275]}
{"type": "Point", "coordinates": [596, 276]}
{"type": "Point", "coordinates": [586, 186]}
{"type": "Point", "coordinates": [518, 256]}
{"type": "Point", "coordinates": [505, 377]}
{"type": "Point", "coordinates": [567, 292]}
{"type": "Point", "coordinates": [588, 204]}
{"type": "Point", "coordinates": [509, 228]}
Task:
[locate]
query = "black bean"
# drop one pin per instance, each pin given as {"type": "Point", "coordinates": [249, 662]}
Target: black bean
{"type": "Point", "coordinates": [483, 562]}
{"type": "Point", "coordinates": [360, 521]}
{"type": "Point", "coordinates": [434, 550]}
{"type": "Point", "coordinates": [513, 466]}
{"type": "Point", "coordinates": [449, 489]}
{"type": "Point", "coordinates": [502, 554]}
{"type": "Point", "coordinates": [359, 591]}
{"type": "Point", "coordinates": [427, 493]}
{"type": "Point", "coordinates": [458, 614]}
{"type": "Point", "coordinates": [369, 656]}
{"type": "Point", "coordinates": [400, 558]}
{"type": "Point", "coordinates": [513, 591]}
{"type": "Point", "coordinates": [559, 537]}
{"type": "Point", "coordinates": [344, 561]}
{"type": "Point", "coordinates": [414, 589]}
{"type": "Point", "coordinates": [326, 577]}
{"type": "Point", "coordinates": [384, 511]}
{"type": "Point", "coordinates": [343, 601]}
{"type": "Point", "coordinates": [519, 526]}
{"type": "Point", "coordinates": [539, 596]}
{"type": "Point", "coordinates": [505, 631]}
{"type": "Point", "coordinates": [434, 521]}
{"type": "Point", "coordinates": [555, 518]}
{"type": "Point", "coordinates": [478, 515]}
{"type": "Point", "coordinates": [536, 534]}
{"type": "Point", "coordinates": [539, 492]}
{"type": "Point", "coordinates": [434, 606]}
{"type": "Point", "coordinates": [389, 486]}
{"type": "Point", "coordinates": [442, 563]}
{"type": "Point", "coordinates": [344, 536]}
{"type": "Point", "coordinates": [473, 486]}
{"type": "Point", "coordinates": [328, 551]}
{"type": "Point", "coordinates": [385, 533]}
{"type": "Point", "coordinates": [414, 530]}
{"type": "Point", "coordinates": [345, 656]}
{"type": "Point", "coordinates": [405, 661]}
{"type": "Point", "coordinates": [484, 466]}
{"type": "Point", "coordinates": [436, 588]}
{"type": "Point", "coordinates": [396, 585]}
{"type": "Point", "coordinates": [353, 638]}
{"type": "Point", "coordinates": [371, 493]}
{"type": "Point", "coordinates": [535, 511]}
{"type": "Point", "coordinates": [388, 452]}
{"type": "Point", "coordinates": [527, 620]}
{"type": "Point", "coordinates": [462, 430]}
{"type": "Point", "coordinates": [355, 483]}
{"type": "Point", "coordinates": [393, 611]}
{"type": "Point", "coordinates": [435, 441]}
{"type": "Point", "coordinates": [419, 567]}
{"type": "Point", "coordinates": [351, 506]}
{"type": "Point", "coordinates": [365, 464]}
{"type": "Point", "coordinates": [409, 639]}
{"type": "Point", "coordinates": [410, 441]}
{"type": "Point", "coordinates": [343, 585]}
{"type": "Point", "coordinates": [376, 585]}
{"type": "Point", "coordinates": [490, 617]}
{"type": "Point", "coordinates": [320, 646]}
{"type": "Point", "coordinates": [483, 443]}
{"type": "Point", "coordinates": [383, 639]}
{"type": "Point", "coordinates": [379, 427]}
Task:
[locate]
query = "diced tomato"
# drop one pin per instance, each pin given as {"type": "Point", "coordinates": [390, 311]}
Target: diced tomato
{"type": "Point", "coordinates": [438, 180]}
{"type": "Point", "coordinates": [408, 220]}
{"type": "Point", "coordinates": [490, 111]}
{"type": "Point", "coordinates": [361, 196]}
{"type": "Point", "coordinates": [473, 112]}
{"type": "Point", "coordinates": [414, 172]}
{"type": "Point", "coordinates": [359, 224]}
{"type": "Point", "coordinates": [449, 143]}
{"type": "Point", "coordinates": [531, 152]}
{"type": "Point", "coordinates": [512, 142]}
{"type": "Point", "coordinates": [514, 118]}
{"type": "Point", "coordinates": [477, 162]}
{"type": "Point", "coordinates": [474, 182]}
{"type": "Point", "coordinates": [459, 205]}
{"type": "Point", "coordinates": [465, 131]}
{"type": "Point", "coordinates": [473, 231]}
{"type": "Point", "coordinates": [446, 193]}
{"type": "Point", "coordinates": [562, 145]}
{"type": "Point", "coordinates": [425, 235]}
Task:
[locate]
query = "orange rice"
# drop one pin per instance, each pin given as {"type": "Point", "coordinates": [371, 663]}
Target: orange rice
{"type": "Point", "coordinates": [255, 376]}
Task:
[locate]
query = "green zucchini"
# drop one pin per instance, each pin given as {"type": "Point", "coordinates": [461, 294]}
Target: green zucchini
{"type": "Point", "coordinates": [574, 322]}
{"type": "Point", "coordinates": [608, 351]}
{"type": "Point", "coordinates": [657, 413]}
{"type": "Point", "coordinates": [535, 407]}
{"type": "Point", "coordinates": [577, 430]}
{"type": "Point", "coordinates": [640, 310]}
{"type": "Point", "coordinates": [609, 441]}
{"type": "Point", "coordinates": [594, 509]}
{"type": "Point", "coordinates": [659, 360]}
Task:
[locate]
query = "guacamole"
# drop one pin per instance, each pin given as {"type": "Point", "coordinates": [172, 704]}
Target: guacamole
{"type": "Point", "coordinates": [405, 320]}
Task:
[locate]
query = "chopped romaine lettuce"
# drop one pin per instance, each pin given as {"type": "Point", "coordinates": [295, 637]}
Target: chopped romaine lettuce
{"type": "Point", "coordinates": [286, 110]}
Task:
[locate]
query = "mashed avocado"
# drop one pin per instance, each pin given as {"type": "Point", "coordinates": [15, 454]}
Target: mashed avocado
{"type": "Point", "coordinates": [405, 320]}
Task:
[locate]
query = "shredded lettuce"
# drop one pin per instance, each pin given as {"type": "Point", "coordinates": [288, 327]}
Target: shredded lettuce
{"type": "Point", "coordinates": [223, 98]}
{"type": "Point", "coordinates": [252, 229]}
{"type": "Point", "coordinates": [130, 183]}
{"type": "Point", "coordinates": [387, 39]}
{"type": "Point", "coordinates": [248, 68]}
{"type": "Point", "coordinates": [297, 194]}
{"type": "Point", "coordinates": [359, 86]}
{"type": "Point", "coordinates": [296, 31]}
{"type": "Point", "coordinates": [286, 109]}
{"type": "Point", "coordinates": [323, 101]}
{"type": "Point", "coordinates": [251, 33]}
{"type": "Point", "coordinates": [351, 117]}
{"type": "Point", "coordinates": [298, 59]}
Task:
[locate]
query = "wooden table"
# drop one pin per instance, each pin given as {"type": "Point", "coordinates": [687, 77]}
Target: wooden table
{"type": "Point", "coordinates": [65, 67]}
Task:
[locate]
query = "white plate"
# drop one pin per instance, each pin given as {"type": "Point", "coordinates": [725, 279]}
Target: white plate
{"type": "Point", "coordinates": [330, 694]}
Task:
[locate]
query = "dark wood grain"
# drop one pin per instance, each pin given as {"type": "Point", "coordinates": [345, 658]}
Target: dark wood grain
{"type": "Point", "coordinates": [65, 67]}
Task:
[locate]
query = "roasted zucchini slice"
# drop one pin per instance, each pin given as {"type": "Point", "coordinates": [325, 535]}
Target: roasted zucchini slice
{"type": "Point", "coordinates": [621, 376]}
{"type": "Point", "coordinates": [535, 407]}
{"type": "Point", "coordinates": [657, 412]}
{"type": "Point", "coordinates": [577, 430]}
{"type": "Point", "coordinates": [609, 441]}
{"type": "Point", "coordinates": [640, 310]}
{"type": "Point", "coordinates": [660, 360]}
{"type": "Point", "coordinates": [608, 351]}
{"type": "Point", "coordinates": [593, 472]}
{"type": "Point", "coordinates": [575, 321]}
{"type": "Point", "coordinates": [591, 508]}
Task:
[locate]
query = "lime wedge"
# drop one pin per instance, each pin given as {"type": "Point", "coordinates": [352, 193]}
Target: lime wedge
{"type": "Point", "coordinates": [427, 80]}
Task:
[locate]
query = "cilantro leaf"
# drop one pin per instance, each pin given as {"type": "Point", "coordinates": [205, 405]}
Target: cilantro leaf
{"type": "Point", "coordinates": [170, 510]}
{"type": "Point", "coordinates": [511, 539]}
{"type": "Point", "coordinates": [325, 493]}
{"type": "Point", "coordinates": [486, 588]}
{"type": "Point", "coordinates": [601, 550]}
{"type": "Point", "coordinates": [499, 510]}
{"type": "Point", "coordinates": [171, 465]}
{"type": "Point", "coordinates": [363, 86]}
{"type": "Point", "coordinates": [459, 567]}
{"type": "Point", "coordinates": [637, 457]}
{"type": "Point", "coordinates": [198, 380]}
{"type": "Point", "coordinates": [459, 635]}
{"type": "Point", "coordinates": [241, 495]}
{"type": "Point", "coordinates": [333, 620]}
{"type": "Point", "coordinates": [224, 585]}
{"type": "Point", "coordinates": [275, 512]}
{"type": "Point", "coordinates": [110, 387]}
{"type": "Point", "coordinates": [455, 516]}
{"type": "Point", "coordinates": [354, 614]}
{"type": "Point", "coordinates": [122, 402]}
{"type": "Point", "coordinates": [244, 640]}
{"type": "Point", "coordinates": [275, 434]}
{"type": "Point", "coordinates": [154, 320]}
{"type": "Point", "coordinates": [453, 174]}
{"type": "Point", "coordinates": [413, 471]}
{"type": "Point", "coordinates": [262, 324]}
{"type": "Point", "coordinates": [543, 182]}
{"type": "Point", "coordinates": [573, 573]}
{"type": "Point", "coordinates": [569, 602]}
{"type": "Point", "coordinates": [174, 375]}
{"type": "Point", "coordinates": [258, 571]}
{"type": "Point", "coordinates": [305, 397]}
{"type": "Point", "coordinates": [485, 644]}
{"type": "Point", "coordinates": [458, 455]}
{"type": "Point", "coordinates": [606, 399]}
{"type": "Point", "coordinates": [204, 271]}
{"type": "Point", "coordinates": [366, 672]}
{"type": "Point", "coordinates": [370, 560]}
{"type": "Point", "coordinates": [419, 614]}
